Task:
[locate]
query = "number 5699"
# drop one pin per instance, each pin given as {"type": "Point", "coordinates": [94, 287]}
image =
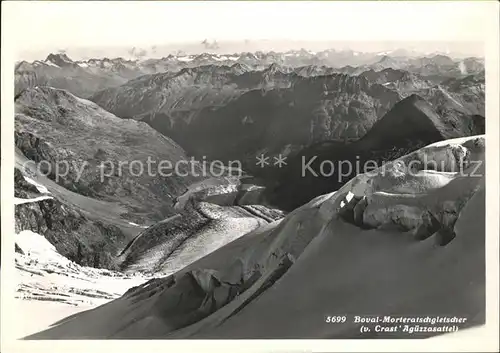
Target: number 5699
{"type": "Point", "coordinates": [336, 319]}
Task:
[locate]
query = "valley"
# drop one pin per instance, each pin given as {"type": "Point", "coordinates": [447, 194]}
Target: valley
{"type": "Point", "coordinates": [243, 250]}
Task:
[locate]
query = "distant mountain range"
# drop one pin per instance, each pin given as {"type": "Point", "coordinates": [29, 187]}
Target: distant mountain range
{"type": "Point", "coordinates": [84, 78]}
{"type": "Point", "coordinates": [239, 105]}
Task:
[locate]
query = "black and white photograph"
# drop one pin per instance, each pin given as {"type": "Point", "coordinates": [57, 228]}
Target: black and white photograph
{"type": "Point", "coordinates": [249, 171]}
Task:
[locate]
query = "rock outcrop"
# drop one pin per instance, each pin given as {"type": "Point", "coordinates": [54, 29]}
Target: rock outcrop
{"type": "Point", "coordinates": [76, 235]}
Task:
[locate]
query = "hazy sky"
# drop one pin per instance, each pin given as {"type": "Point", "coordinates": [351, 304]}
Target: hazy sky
{"type": "Point", "coordinates": [44, 26]}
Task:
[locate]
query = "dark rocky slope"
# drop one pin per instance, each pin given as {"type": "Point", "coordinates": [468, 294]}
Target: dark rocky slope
{"type": "Point", "coordinates": [86, 238]}
{"type": "Point", "coordinates": [215, 113]}
{"type": "Point", "coordinates": [87, 214]}
{"type": "Point", "coordinates": [325, 167]}
{"type": "Point", "coordinates": [54, 126]}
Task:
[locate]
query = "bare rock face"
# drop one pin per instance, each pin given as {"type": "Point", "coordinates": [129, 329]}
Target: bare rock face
{"type": "Point", "coordinates": [86, 241]}
{"type": "Point", "coordinates": [22, 188]}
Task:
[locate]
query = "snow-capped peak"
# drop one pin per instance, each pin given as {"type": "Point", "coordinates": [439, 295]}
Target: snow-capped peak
{"type": "Point", "coordinates": [60, 59]}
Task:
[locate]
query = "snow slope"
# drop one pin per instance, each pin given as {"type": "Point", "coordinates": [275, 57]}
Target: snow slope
{"type": "Point", "coordinates": [44, 274]}
{"type": "Point", "coordinates": [50, 287]}
{"type": "Point", "coordinates": [378, 252]}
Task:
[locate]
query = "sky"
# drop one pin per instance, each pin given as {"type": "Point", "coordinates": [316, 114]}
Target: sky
{"type": "Point", "coordinates": [108, 27]}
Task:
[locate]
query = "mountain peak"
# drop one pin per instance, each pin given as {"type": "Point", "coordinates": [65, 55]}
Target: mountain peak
{"type": "Point", "coordinates": [60, 59]}
{"type": "Point", "coordinates": [388, 61]}
{"type": "Point", "coordinates": [240, 67]}
{"type": "Point", "coordinates": [273, 68]}
{"type": "Point", "coordinates": [412, 117]}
